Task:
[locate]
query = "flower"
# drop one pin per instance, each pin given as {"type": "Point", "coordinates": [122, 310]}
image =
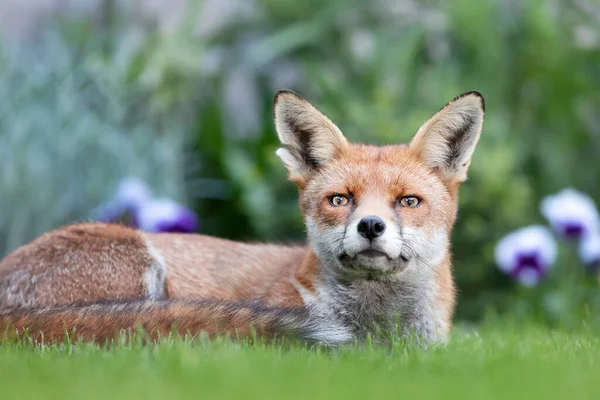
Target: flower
{"type": "Point", "coordinates": [572, 214]}
{"type": "Point", "coordinates": [526, 254]}
{"type": "Point", "coordinates": [131, 193]}
{"type": "Point", "coordinates": [164, 215]}
{"type": "Point", "coordinates": [134, 205]}
{"type": "Point", "coordinates": [589, 251]}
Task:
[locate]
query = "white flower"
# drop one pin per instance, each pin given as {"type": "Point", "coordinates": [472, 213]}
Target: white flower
{"type": "Point", "coordinates": [589, 250]}
{"type": "Point", "coordinates": [164, 215]}
{"type": "Point", "coordinates": [571, 213]}
{"type": "Point", "coordinates": [526, 254]}
{"type": "Point", "coordinates": [132, 193]}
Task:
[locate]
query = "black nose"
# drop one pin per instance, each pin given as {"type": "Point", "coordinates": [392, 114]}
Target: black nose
{"type": "Point", "coordinates": [371, 227]}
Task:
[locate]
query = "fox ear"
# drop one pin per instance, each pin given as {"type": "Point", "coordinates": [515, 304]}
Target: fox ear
{"type": "Point", "coordinates": [308, 137]}
{"type": "Point", "coordinates": [447, 140]}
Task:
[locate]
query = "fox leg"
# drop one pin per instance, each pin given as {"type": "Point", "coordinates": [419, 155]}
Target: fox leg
{"type": "Point", "coordinates": [80, 264]}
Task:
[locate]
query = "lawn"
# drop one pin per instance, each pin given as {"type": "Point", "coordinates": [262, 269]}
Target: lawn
{"type": "Point", "coordinates": [492, 361]}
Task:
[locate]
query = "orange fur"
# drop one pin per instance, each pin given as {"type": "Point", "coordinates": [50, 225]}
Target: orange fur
{"type": "Point", "coordinates": [84, 263]}
{"type": "Point", "coordinates": [205, 267]}
{"type": "Point", "coordinates": [78, 263]}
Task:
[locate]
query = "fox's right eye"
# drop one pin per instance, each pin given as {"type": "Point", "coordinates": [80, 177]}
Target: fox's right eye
{"type": "Point", "coordinates": [338, 200]}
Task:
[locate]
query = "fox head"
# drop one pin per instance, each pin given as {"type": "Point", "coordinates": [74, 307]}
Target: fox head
{"type": "Point", "coordinates": [369, 210]}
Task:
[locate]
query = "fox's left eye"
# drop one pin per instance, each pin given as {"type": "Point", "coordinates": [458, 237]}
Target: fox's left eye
{"type": "Point", "coordinates": [338, 200]}
{"type": "Point", "coordinates": [409, 201]}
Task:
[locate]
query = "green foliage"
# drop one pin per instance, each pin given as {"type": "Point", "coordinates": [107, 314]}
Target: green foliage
{"type": "Point", "coordinates": [378, 69]}
{"type": "Point", "coordinates": [72, 123]}
{"type": "Point", "coordinates": [500, 360]}
{"type": "Point", "coordinates": [380, 74]}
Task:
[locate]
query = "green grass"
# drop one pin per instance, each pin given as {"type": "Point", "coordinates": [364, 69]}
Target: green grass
{"type": "Point", "coordinates": [500, 360]}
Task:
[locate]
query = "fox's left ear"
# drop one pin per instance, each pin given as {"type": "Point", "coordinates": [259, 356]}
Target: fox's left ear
{"type": "Point", "coordinates": [446, 141]}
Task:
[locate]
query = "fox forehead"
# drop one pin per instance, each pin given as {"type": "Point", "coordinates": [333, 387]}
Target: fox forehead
{"type": "Point", "coordinates": [382, 173]}
{"type": "Point", "coordinates": [385, 172]}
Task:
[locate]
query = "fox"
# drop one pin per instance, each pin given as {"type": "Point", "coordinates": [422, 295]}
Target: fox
{"type": "Point", "coordinates": [377, 255]}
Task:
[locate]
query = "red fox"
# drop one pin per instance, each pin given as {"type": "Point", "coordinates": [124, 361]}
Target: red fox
{"type": "Point", "coordinates": [378, 222]}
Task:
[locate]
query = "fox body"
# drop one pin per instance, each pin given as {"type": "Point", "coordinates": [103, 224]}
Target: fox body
{"type": "Point", "coordinates": [378, 223]}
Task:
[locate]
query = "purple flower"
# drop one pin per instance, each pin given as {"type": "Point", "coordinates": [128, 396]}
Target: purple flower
{"type": "Point", "coordinates": [526, 254]}
{"type": "Point", "coordinates": [164, 215]}
{"type": "Point", "coordinates": [134, 205]}
{"type": "Point", "coordinates": [571, 214]}
{"type": "Point", "coordinates": [130, 194]}
{"type": "Point", "coordinates": [589, 251]}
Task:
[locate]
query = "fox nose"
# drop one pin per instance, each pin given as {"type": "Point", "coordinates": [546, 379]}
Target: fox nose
{"type": "Point", "coordinates": [371, 227]}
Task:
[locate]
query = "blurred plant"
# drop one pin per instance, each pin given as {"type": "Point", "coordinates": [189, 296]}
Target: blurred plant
{"type": "Point", "coordinates": [527, 254]}
{"type": "Point", "coordinates": [378, 69]}
{"type": "Point", "coordinates": [131, 193]}
{"type": "Point", "coordinates": [571, 214]}
{"type": "Point", "coordinates": [134, 205]}
{"type": "Point", "coordinates": [69, 130]}
{"type": "Point", "coordinates": [165, 215]}
{"type": "Point", "coordinates": [589, 251]}
{"type": "Point", "coordinates": [574, 215]}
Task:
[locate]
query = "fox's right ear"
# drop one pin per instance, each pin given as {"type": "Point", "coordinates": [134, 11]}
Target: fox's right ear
{"type": "Point", "coordinates": [308, 137]}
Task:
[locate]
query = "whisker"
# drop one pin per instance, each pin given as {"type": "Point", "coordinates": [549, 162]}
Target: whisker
{"type": "Point", "coordinates": [423, 260]}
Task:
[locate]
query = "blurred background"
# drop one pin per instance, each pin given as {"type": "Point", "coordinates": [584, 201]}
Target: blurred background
{"type": "Point", "coordinates": [178, 94]}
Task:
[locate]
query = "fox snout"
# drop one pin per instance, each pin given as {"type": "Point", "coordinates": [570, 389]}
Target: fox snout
{"type": "Point", "coordinates": [371, 227]}
{"type": "Point", "coordinates": [372, 240]}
